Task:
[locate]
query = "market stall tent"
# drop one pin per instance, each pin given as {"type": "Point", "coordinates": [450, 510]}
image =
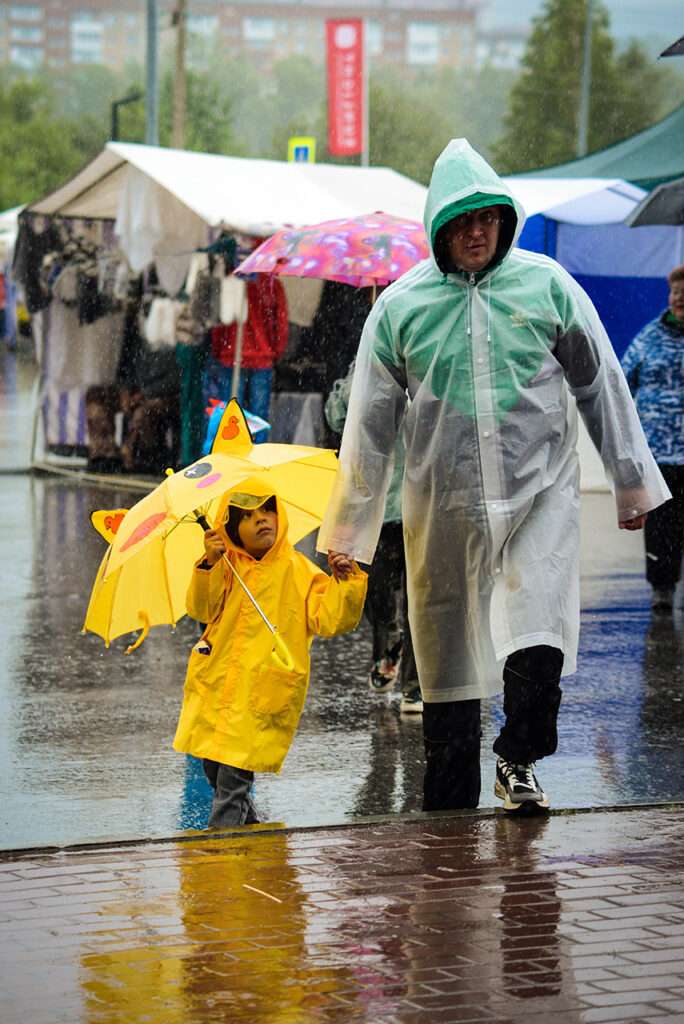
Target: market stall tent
{"type": "Point", "coordinates": [646, 159]}
{"type": "Point", "coordinates": [165, 201]}
{"type": "Point", "coordinates": [623, 270]}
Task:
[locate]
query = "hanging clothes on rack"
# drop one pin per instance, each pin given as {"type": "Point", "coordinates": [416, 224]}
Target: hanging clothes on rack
{"type": "Point", "coordinates": [264, 339]}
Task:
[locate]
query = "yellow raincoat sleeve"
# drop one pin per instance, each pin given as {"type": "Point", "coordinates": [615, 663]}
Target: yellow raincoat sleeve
{"type": "Point", "coordinates": [335, 606]}
{"type": "Point", "coordinates": [206, 592]}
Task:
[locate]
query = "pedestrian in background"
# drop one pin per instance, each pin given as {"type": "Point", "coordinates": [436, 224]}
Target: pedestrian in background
{"type": "Point", "coordinates": [386, 605]}
{"type": "Point", "coordinates": [491, 344]}
{"type": "Point", "coordinates": [654, 367]}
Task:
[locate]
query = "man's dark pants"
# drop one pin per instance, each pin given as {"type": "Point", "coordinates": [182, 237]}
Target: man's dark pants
{"type": "Point", "coordinates": [452, 731]}
{"type": "Point", "coordinates": [664, 533]}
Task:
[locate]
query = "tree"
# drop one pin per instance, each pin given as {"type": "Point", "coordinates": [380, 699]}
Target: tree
{"type": "Point", "coordinates": [38, 147]}
{"type": "Point", "coordinates": [540, 127]}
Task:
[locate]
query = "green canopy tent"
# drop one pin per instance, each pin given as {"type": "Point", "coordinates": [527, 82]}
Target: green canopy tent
{"type": "Point", "coordinates": [647, 159]}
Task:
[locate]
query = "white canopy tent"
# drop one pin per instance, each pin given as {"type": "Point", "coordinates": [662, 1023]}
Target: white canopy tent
{"type": "Point", "coordinates": [577, 200]}
{"type": "Point", "coordinates": [251, 196]}
{"type": "Point", "coordinates": [9, 225]}
{"type": "Point", "coordinates": [165, 200]}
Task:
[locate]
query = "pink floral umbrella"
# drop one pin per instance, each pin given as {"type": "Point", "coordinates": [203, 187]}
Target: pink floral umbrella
{"type": "Point", "coordinates": [374, 249]}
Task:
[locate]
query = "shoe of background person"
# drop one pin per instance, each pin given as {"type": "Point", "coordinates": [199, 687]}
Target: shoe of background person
{"type": "Point", "coordinates": [385, 670]}
{"type": "Point", "coordinates": [662, 600]}
{"type": "Point", "coordinates": [518, 787]}
{"type": "Point", "coordinates": [412, 702]}
{"type": "Point", "coordinates": [383, 675]}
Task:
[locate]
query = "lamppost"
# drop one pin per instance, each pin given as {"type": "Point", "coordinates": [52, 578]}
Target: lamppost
{"type": "Point", "coordinates": [132, 97]}
{"type": "Point", "coordinates": [585, 84]}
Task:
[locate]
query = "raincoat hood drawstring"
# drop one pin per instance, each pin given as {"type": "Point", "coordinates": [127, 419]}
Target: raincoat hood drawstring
{"type": "Point", "coordinates": [469, 321]}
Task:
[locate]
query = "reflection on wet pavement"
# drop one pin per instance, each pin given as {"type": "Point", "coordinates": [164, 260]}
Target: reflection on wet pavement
{"type": "Point", "coordinates": [86, 733]}
{"type": "Point", "coordinates": [407, 922]}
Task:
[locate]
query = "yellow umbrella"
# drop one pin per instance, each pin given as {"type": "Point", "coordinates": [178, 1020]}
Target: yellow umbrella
{"type": "Point", "coordinates": [301, 476]}
{"type": "Point", "coordinates": [149, 591]}
{"type": "Point", "coordinates": [144, 576]}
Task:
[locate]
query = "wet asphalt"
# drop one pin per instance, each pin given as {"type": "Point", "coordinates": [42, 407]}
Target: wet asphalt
{"type": "Point", "coordinates": [85, 733]}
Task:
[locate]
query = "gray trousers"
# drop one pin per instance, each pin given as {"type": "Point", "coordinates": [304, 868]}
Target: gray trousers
{"type": "Point", "coordinates": [232, 803]}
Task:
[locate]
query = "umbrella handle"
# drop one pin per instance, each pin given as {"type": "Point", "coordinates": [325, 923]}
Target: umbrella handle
{"type": "Point", "coordinates": [281, 654]}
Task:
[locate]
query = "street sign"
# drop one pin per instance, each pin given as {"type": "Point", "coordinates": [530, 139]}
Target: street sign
{"type": "Point", "coordinates": [301, 149]}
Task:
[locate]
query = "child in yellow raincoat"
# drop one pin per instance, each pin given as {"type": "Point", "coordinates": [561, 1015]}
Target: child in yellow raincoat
{"type": "Point", "coordinates": [240, 708]}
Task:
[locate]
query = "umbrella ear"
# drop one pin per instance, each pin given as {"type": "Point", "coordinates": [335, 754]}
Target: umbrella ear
{"type": "Point", "coordinates": [107, 522]}
{"type": "Point", "coordinates": [233, 434]}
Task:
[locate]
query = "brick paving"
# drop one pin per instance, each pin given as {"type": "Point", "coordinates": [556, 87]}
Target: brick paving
{"type": "Point", "coordinates": [574, 919]}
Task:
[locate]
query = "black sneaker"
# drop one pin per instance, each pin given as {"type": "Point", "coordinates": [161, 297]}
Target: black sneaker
{"type": "Point", "coordinates": [662, 600]}
{"type": "Point", "coordinates": [385, 670]}
{"type": "Point", "coordinates": [518, 787]}
{"type": "Point", "coordinates": [412, 702]}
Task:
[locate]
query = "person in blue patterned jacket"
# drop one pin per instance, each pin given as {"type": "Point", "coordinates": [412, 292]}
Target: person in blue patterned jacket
{"type": "Point", "coordinates": [654, 367]}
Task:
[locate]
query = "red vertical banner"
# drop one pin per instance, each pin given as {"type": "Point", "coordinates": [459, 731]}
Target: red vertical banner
{"type": "Point", "coordinates": [345, 86]}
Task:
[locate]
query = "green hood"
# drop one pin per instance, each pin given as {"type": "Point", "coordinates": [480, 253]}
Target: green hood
{"type": "Point", "coordinates": [463, 180]}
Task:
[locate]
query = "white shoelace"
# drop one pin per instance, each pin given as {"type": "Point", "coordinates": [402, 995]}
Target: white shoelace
{"type": "Point", "coordinates": [522, 773]}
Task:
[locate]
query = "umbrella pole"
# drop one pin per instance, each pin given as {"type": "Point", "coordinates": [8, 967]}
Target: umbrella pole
{"type": "Point", "coordinates": [280, 652]}
{"type": "Point", "coordinates": [237, 359]}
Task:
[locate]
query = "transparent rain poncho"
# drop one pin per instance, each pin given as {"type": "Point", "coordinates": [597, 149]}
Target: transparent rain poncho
{"type": "Point", "coordinates": [483, 374]}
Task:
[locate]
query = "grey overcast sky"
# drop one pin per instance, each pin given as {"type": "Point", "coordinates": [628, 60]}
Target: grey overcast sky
{"type": "Point", "coordinates": [640, 18]}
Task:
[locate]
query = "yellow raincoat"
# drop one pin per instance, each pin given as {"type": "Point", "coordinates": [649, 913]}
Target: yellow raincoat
{"type": "Point", "coordinates": [239, 707]}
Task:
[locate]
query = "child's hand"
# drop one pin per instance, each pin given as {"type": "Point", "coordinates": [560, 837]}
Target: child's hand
{"type": "Point", "coordinates": [214, 546]}
{"type": "Point", "coordinates": [637, 523]}
{"type": "Point", "coordinates": [340, 564]}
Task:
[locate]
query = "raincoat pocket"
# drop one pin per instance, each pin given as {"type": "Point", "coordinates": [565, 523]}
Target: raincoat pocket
{"type": "Point", "coordinates": [276, 692]}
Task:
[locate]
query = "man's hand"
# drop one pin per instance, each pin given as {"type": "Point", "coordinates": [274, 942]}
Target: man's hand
{"type": "Point", "coordinates": [214, 546]}
{"type": "Point", "coordinates": [637, 523]}
{"type": "Point", "coordinates": [629, 499]}
{"type": "Point", "coordinates": [340, 564]}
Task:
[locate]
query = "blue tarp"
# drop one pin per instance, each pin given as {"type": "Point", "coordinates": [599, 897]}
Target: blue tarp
{"type": "Point", "coordinates": [624, 303]}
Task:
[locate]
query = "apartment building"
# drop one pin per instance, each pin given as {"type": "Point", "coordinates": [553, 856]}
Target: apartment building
{"type": "Point", "coordinates": [408, 33]}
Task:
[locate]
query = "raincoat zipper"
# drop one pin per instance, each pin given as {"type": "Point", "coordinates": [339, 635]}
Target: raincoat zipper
{"type": "Point", "coordinates": [469, 322]}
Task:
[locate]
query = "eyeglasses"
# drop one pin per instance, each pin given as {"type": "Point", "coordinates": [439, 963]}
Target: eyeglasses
{"type": "Point", "coordinates": [465, 222]}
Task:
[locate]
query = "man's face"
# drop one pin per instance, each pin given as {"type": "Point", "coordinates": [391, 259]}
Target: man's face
{"type": "Point", "coordinates": [472, 238]}
{"type": "Point", "coordinates": [257, 531]}
{"type": "Point", "coordinates": [677, 299]}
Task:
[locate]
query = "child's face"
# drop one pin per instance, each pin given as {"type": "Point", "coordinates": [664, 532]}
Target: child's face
{"type": "Point", "coordinates": [257, 531]}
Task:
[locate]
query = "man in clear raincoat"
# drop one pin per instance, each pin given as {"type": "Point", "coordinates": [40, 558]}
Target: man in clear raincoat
{"type": "Point", "coordinates": [481, 356]}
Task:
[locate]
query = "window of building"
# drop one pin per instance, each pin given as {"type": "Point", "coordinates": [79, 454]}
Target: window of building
{"type": "Point", "coordinates": [27, 57]}
{"type": "Point", "coordinates": [422, 43]}
{"type": "Point", "coordinates": [81, 56]}
{"type": "Point", "coordinates": [203, 25]}
{"type": "Point", "coordinates": [26, 12]}
{"type": "Point", "coordinates": [87, 39]}
{"type": "Point", "coordinates": [373, 38]}
{"type": "Point", "coordinates": [26, 33]}
{"type": "Point", "coordinates": [258, 30]}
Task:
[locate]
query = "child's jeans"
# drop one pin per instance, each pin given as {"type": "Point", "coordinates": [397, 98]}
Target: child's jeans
{"type": "Point", "coordinates": [232, 803]}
